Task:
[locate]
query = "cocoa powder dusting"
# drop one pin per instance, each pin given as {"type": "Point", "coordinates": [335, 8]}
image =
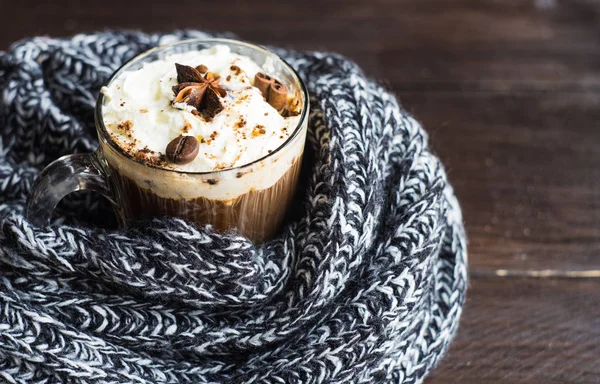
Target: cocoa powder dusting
{"type": "Point", "coordinates": [240, 123]}
{"type": "Point", "coordinates": [258, 130]}
{"type": "Point", "coordinates": [186, 127]}
{"type": "Point", "coordinates": [125, 126]}
{"type": "Point", "coordinates": [223, 165]}
{"type": "Point", "coordinates": [148, 156]}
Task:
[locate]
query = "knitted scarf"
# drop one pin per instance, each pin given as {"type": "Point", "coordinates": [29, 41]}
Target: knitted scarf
{"type": "Point", "coordinates": [364, 284]}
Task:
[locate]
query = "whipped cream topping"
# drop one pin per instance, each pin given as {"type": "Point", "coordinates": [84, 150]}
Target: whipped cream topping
{"type": "Point", "coordinates": [140, 115]}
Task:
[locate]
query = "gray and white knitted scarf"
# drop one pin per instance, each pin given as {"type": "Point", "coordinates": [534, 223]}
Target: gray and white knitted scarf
{"type": "Point", "coordinates": [365, 283]}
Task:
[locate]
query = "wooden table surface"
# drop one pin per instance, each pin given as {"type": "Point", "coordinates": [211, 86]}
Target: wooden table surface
{"type": "Point", "coordinates": [510, 93]}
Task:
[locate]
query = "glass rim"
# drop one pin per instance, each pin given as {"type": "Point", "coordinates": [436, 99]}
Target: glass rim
{"type": "Point", "coordinates": [103, 132]}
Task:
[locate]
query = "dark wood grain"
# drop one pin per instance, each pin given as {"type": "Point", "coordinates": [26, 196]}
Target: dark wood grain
{"type": "Point", "coordinates": [526, 331]}
{"type": "Point", "coordinates": [435, 44]}
{"type": "Point", "coordinates": [510, 94]}
{"type": "Point", "coordinates": [526, 167]}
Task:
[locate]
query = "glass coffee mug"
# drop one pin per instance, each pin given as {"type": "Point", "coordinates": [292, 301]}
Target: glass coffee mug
{"type": "Point", "coordinates": [252, 198]}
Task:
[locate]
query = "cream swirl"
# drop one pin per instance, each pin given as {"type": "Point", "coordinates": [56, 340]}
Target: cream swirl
{"type": "Point", "coordinates": [141, 118]}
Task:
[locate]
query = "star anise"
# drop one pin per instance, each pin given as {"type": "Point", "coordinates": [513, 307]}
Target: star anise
{"type": "Point", "coordinates": [201, 92]}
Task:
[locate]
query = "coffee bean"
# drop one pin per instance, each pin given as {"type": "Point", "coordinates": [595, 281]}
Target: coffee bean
{"type": "Point", "coordinates": [182, 149]}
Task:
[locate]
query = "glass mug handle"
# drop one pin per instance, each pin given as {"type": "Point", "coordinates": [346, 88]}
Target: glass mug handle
{"type": "Point", "coordinates": [70, 173]}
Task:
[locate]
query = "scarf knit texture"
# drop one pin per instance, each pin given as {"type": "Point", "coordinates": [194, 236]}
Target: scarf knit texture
{"type": "Point", "coordinates": [365, 283]}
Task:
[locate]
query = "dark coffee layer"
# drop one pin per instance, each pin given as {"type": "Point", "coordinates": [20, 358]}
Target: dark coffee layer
{"type": "Point", "coordinates": [257, 214]}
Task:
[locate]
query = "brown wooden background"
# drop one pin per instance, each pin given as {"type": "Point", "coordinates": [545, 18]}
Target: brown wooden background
{"type": "Point", "coordinates": [510, 93]}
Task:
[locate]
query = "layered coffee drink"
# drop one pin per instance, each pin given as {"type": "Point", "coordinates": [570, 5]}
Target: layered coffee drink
{"type": "Point", "coordinates": [213, 135]}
